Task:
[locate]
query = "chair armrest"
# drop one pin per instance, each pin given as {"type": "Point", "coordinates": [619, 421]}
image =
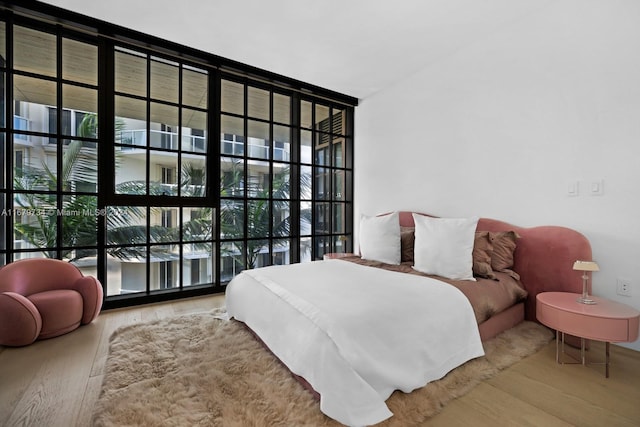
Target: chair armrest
{"type": "Point", "coordinates": [91, 290]}
{"type": "Point", "coordinates": [20, 320]}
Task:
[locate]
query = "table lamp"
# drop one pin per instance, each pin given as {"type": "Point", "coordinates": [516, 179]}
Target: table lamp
{"type": "Point", "coordinates": [585, 266]}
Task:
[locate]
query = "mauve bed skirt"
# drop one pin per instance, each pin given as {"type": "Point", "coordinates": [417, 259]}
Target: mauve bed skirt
{"type": "Point", "coordinates": [502, 321]}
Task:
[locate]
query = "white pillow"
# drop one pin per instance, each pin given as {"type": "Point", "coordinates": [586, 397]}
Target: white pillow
{"type": "Point", "coordinates": [380, 238]}
{"type": "Point", "coordinates": [444, 246]}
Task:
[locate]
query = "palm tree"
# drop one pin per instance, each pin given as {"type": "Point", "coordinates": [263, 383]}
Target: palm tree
{"type": "Point", "coordinates": [262, 222]}
{"type": "Point", "coordinates": [79, 223]}
{"type": "Point", "coordinates": [78, 165]}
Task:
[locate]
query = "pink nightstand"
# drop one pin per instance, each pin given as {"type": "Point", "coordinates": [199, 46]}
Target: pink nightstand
{"type": "Point", "coordinates": [336, 255]}
{"type": "Point", "coordinates": [606, 320]}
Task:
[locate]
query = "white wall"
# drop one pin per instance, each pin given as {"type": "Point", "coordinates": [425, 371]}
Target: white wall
{"type": "Point", "coordinates": [500, 128]}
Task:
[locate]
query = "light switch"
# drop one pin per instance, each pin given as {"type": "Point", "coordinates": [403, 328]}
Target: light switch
{"type": "Point", "coordinates": [573, 189]}
{"type": "Point", "coordinates": [597, 188]}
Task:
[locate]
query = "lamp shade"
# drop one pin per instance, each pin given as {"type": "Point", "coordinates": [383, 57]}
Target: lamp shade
{"type": "Point", "coordinates": [585, 266]}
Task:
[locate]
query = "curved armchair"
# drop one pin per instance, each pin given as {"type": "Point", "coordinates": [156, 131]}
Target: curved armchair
{"type": "Point", "coordinates": [42, 298]}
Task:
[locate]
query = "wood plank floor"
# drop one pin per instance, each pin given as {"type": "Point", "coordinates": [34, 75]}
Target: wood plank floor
{"type": "Point", "coordinates": [55, 382]}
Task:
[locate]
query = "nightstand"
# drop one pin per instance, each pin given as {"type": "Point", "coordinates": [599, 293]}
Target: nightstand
{"type": "Point", "coordinates": [606, 320]}
{"type": "Point", "coordinates": [336, 255]}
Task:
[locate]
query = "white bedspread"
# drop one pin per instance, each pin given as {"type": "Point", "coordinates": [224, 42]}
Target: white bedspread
{"type": "Point", "coordinates": [356, 333]}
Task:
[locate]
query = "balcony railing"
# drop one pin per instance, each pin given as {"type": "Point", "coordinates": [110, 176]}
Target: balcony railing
{"type": "Point", "coordinates": [256, 149]}
{"type": "Point", "coordinates": [21, 123]}
{"type": "Point", "coordinates": [163, 139]}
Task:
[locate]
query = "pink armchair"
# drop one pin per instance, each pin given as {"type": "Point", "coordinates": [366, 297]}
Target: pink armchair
{"type": "Point", "coordinates": [43, 298]}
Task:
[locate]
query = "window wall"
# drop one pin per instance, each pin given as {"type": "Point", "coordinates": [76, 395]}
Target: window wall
{"type": "Point", "coordinates": [110, 161]}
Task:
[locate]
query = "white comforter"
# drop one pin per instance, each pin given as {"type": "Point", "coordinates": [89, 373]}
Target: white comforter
{"type": "Point", "coordinates": [356, 333]}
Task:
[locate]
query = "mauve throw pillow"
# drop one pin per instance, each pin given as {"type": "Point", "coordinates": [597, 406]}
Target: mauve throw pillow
{"type": "Point", "coordinates": [504, 243]}
{"type": "Point", "coordinates": [407, 237]}
{"type": "Point", "coordinates": [482, 250]}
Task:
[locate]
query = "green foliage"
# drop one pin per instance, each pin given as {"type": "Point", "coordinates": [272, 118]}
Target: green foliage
{"type": "Point", "coordinates": [262, 223]}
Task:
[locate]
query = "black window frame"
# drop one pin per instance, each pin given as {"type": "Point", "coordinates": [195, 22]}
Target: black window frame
{"type": "Point", "coordinates": [106, 37]}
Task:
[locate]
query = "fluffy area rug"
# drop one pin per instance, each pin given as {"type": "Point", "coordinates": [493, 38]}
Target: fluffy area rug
{"type": "Point", "coordinates": [199, 370]}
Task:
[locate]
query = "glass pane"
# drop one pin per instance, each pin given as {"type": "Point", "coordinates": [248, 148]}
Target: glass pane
{"type": "Point", "coordinates": [282, 218]}
{"type": "Point", "coordinates": [322, 149]}
{"type": "Point", "coordinates": [258, 142]}
{"type": "Point", "coordinates": [3, 44]}
{"type": "Point", "coordinates": [197, 264]}
{"type": "Point", "coordinates": [131, 172]}
{"type": "Point", "coordinates": [281, 108]}
{"type": "Point", "coordinates": [322, 118]}
{"type": "Point", "coordinates": [79, 217]}
{"type": "Point", "coordinates": [305, 147]}
{"type": "Point", "coordinates": [131, 121]}
{"type": "Point", "coordinates": [338, 152]}
{"type": "Point", "coordinates": [164, 269]}
{"type": "Point", "coordinates": [36, 99]}
{"type": "Point", "coordinates": [194, 135]}
{"type": "Point", "coordinates": [35, 221]}
{"type": "Point", "coordinates": [27, 255]}
{"type": "Point", "coordinates": [305, 182]}
{"type": "Point", "coordinates": [338, 185]}
{"type": "Point", "coordinates": [80, 166]}
{"type": "Point", "coordinates": [3, 165]}
{"type": "Point", "coordinates": [338, 218]}
{"type": "Point", "coordinates": [231, 259]}
{"type": "Point", "coordinates": [305, 249]}
{"type": "Point", "coordinates": [231, 219]}
{"type": "Point", "coordinates": [164, 80]}
{"type": "Point", "coordinates": [281, 252]}
{"type": "Point", "coordinates": [163, 173]}
{"type": "Point", "coordinates": [323, 246]}
{"type": "Point", "coordinates": [197, 224]}
{"type": "Point", "coordinates": [34, 164]}
{"type": "Point", "coordinates": [340, 244]}
{"type": "Point", "coordinates": [84, 100]}
{"type": "Point", "coordinates": [232, 97]}
{"type": "Point", "coordinates": [194, 87]}
{"type": "Point", "coordinates": [305, 218]}
{"type": "Point", "coordinates": [130, 72]}
{"type": "Point", "coordinates": [281, 143]}
{"type": "Point", "coordinates": [85, 259]}
{"type": "Point", "coordinates": [4, 218]}
{"type": "Point", "coordinates": [258, 185]}
{"type": "Point", "coordinates": [257, 254]}
{"type": "Point", "coordinates": [322, 218]}
{"type": "Point", "coordinates": [34, 51]}
{"type": "Point", "coordinates": [17, 119]}
{"type": "Point", "coordinates": [193, 176]}
{"type": "Point", "coordinates": [258, 218]}
{"type": "Point", "coordinates": [164, 224]}
{"type": "Point", "coordinates": [79, 62]}
{"type": "Point", "coordinates": [322, 188]}
{"type": "Point", "coordinates": [306, 115]}
{"type": "Point", "coordinates": [126, 225]}
{"type": "Point", "coordinates": [232, 136]}
{"type": "Point", "coordinates": [258, 101]}
{"type": "Point", "coordinates": [281, 181]}
{"type": "Point", "coordinates": [126, 270]}
{"type": "Point", "coordinates": [164, 127]}
{"type": "Point", "coordinates": [231, 177]}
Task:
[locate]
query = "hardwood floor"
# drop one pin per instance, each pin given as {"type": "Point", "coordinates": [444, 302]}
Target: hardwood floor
{"type": "Point", "coordinates": [55, 382]}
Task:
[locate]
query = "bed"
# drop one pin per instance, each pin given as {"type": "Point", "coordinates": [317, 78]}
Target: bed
{"type": "Point", "coordinates": [358, 328]}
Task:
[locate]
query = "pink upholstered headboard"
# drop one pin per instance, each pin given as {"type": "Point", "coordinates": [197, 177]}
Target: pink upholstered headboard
{"type": "Point", "coordinates": [544, 257]}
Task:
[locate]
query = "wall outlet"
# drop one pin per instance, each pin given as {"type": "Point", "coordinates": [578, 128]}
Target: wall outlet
{"type": "Point", "coordinates": [624, 287]}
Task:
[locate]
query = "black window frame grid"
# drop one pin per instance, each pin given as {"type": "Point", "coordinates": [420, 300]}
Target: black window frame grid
{"type": "Point", "coordinates": [105, 37]}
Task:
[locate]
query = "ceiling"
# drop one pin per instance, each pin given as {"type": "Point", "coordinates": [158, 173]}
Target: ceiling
{"type": "Point", "coordinates": [354, 47]}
